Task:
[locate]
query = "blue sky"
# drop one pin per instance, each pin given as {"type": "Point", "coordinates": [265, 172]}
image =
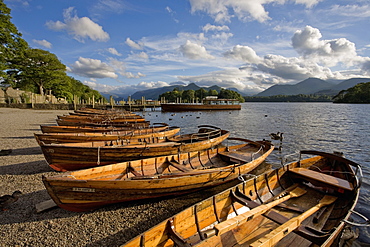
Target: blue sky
{"type": "Point", "coordinates": [124, 46]}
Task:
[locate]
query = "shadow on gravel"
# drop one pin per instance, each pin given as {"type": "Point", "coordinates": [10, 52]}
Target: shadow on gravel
{"type": "Point", "coordinates": [20, 137]}
{"type": "Point", "coordinates": [27, 168]}
{"type": "Point", "coordinates": [34, 130]}
{"type": "Point", "coordinates": [26, 151]}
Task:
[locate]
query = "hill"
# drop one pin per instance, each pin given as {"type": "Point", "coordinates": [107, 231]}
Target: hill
{"type": "Point", "coordinates": [308, 86]}
{"type": "Point", "coordinates": [312, 86]}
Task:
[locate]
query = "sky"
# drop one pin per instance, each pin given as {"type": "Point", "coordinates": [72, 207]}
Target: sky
{"type": "Point", "coordinates": [124, 46]}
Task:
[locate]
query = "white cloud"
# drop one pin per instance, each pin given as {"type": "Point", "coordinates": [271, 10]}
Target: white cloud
{"type": "Point", "coordinates": [149, 85]}
{"type": "Point", "coordinates": [292, 68]}
{"type": "Point", "coordinates": [354, 11]}
{"type": "Point", "coordinates": [308, 43]}
{"type": "Point", "coordinates": [114, 52]}
{"type": "Point", "coordinates": [79, 28]}
{"type": "Point", "coordinates": [141, 56]}
{"type": "Point", "coordinates": [169, 10]}
{"type": "Point", "coordinates": [227, 78]}
{"type": "Point", "coordinates": [223, 37]}
{"type": "Point", "coordinates": [308, 3]}
{"type": "Point", "coordinates": [133, 44]}
{"type": "Point", "coordinates": [120, 67]}
{"type": "Point", "coordinates": [224, 10]}
{"type": "Point", "coordinates": [93, 68]}
{"type": "Point", "coordinates": [43, 43]}
{"type": "Point", "coordinates": [208, 27]}
{"type": "Point", "coordinates": [365, 67]}
{"type": "Point", "coordinates": [243, 53]}
{"type": "Point", "coordinates": [194, 51]}
{"type": "Point", "coordinates": [100, 87]}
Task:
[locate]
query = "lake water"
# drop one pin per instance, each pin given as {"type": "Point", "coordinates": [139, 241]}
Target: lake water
{"type": "Point", "coordinates": [320, 126]}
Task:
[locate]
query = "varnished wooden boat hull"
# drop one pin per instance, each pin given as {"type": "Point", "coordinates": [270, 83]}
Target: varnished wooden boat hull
{"type": "Point", "coordinates": [100, 118]}
{"type": "Point", "coordinates": [93, 111]}
{"type": "Point", "coordinates": [74, 156]}
{"type": "Point", "coordinates": [213, 222]}
{"type": "Point", "coordinates": [154, 177]}
{"type": "Point", "coordinates": [102, 129]}
{"type": "Point", "coordinates": [148, 135]}
{"type": "Point", "coordinates": [133, 124]}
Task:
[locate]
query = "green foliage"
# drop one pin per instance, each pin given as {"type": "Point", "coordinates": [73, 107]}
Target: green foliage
{"type": "Point", "coordinates": [11, 43]}
{"type": "Point", "coordinates": [201, 93]}
{"type": "Point", "coordinates": [289, 98]}
{"type": "Point", "coordinates": [38, 67]}
{"type": "Point", "coordinates": [189, 96]}
{"type": "Point", "coordinates": [357, 94]}
{"type": "Point", "coordinates": [230, 94]}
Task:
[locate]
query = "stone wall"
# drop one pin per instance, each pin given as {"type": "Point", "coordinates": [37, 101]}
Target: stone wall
{"type": "Point", "coordinates": [10, 95]}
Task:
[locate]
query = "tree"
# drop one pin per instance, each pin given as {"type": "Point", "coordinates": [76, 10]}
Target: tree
{"type": "Point", "coordinates": [201, 93]}
{"type": "Point", "coordinates": [38, 68]}
{"type": "Point", "coordinates": [360, 93]}
{"type": "Point", "coordinates": [188, 95]}
{"type": "Point", "coordinates": [11, 43]}
{"type": "Point", "coordinates": [230, 94]}
{"type": "Point", "coordinates": [212, 92]}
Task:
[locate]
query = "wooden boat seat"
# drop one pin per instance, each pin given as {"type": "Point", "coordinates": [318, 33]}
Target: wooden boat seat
{"type": "Point", "coordinates": [236, 156]}
{"type": "Point", "coordinates": [180, 167]}
{"type": "Point", "coordinates": [169, 144]}
{"type": "Point", "coordinates": [322, 178]}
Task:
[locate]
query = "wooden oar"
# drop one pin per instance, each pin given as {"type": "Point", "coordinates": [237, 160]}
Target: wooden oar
{"type": "Point", "coordinates": [229, 224]}
{"type": "Point", "coordinates": [276, 235]}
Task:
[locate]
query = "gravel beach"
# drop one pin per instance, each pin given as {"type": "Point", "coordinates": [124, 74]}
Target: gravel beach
{"type": "Point", "coordinates": [22, 170]}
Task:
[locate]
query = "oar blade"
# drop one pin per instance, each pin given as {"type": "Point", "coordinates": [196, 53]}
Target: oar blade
{"type": "Point", "coordinates": [327, 200]}
{"type": "Point", "coordinates": [297, 192]}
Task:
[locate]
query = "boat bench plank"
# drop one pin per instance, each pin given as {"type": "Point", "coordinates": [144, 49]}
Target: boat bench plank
{"type": "Point", "coordinates": [136, 173]}
{"type": "Point", "coordinates": [179, 166]}
{"type": "Point", "coordinates": [321, 177]}
{"type": "Point", "coordinates": [235, 155]}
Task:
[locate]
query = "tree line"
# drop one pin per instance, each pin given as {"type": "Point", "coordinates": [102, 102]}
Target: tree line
{"type": "Point", "coordinates": [189, 96]}
{"type": "Point", "coordinates": [35, 70]}
{"type": "Point", "coordinates": [360, 93]}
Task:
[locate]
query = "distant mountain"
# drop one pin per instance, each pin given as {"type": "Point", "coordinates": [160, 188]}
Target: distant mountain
{"type": "Point", "coordinates": [312, 86]}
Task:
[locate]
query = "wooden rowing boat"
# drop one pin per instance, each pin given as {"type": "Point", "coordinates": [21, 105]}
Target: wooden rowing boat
{"type": "Point", "coordinates": [304, 203]}
{"type": "Point", "coordinates": [133, 123]}
{"type": "Point", "coordinates": [79, 119]}
{"type": "Point", "coordinates": [103, 129]}
{"type": "Point", "coordinates": [99, 118]}
{"type": "Point", "coordinates": [155, 177]}
{"type": "Point", "coordinates": [93, 111]}
{"type": "Point", "coordinates": [134, 136]}
{"type": "Point", "coordinates": [74, 156]}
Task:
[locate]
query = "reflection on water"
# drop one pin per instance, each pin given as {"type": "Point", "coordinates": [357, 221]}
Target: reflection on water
{"type": "Point", "coordinates": [322, 126]}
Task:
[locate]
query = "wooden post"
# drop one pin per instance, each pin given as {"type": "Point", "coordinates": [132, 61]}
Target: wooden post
{"type": "Point", "coordinates": [93, 101]}
{"type": "Point", "coordinates": [129, 101]}
{"type": "Point", "coordinates": [75, 102]}
{"type": "Point", "coordinates": [32, 101]}
{"type": "Point", "coordinates": [111, 101]}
